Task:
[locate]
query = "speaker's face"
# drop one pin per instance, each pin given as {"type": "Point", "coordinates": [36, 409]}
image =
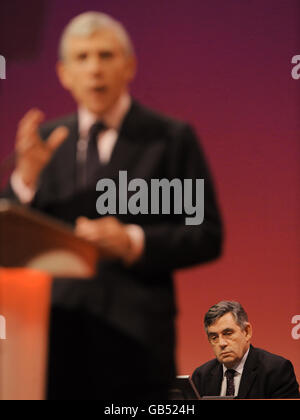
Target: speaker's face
{"type": "Point", "coordinates": [96, 70]}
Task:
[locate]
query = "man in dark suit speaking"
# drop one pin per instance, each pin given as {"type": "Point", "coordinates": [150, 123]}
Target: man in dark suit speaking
{"type": "Point", "coordinates": [241, 370]}
{"type": "Point", "coordinates": [58, 167]}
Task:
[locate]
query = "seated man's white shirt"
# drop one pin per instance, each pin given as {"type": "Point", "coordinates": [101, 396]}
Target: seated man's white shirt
{"type": "Point", "coordinates": [237, 377]}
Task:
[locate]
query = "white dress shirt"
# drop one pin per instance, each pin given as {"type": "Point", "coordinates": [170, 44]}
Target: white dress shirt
{"type": "Point", "coordinates": [237, 377]}
{"type": "Point", "coordinates": [107, 139]}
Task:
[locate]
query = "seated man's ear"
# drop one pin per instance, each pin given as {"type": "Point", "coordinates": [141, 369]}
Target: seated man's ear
{"type": "Point", "coordinates": [248, 331]}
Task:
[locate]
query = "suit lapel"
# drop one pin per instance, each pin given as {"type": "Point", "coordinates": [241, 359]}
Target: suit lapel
{"type": "Point", "coordinates": [68, 154]}
{"type": "Point", "coordinates": [249, 374]}
{"type": "Point", "coordinates": [213, 385]}
{"type": "Point", "coordinates": [129, 145]}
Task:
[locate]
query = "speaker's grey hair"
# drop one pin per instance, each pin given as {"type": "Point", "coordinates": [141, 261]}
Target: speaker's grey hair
{"type": "Point", "coordinates": [87, 24]}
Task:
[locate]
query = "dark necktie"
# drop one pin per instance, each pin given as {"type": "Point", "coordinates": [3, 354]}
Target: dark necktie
{"type": "Point", "coordinates": [230, 390]}
{"type": "Point", "coordinates": [92, 158]}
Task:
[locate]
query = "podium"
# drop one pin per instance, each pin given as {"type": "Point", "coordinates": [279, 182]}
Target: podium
{"type": "Point", "coordinates": [33, 250]}
{"type": "Point", "coordinates": [30, 239]}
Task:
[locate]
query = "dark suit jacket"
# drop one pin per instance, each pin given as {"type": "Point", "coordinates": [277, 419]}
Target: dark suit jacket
{"type": "Point", "coordinates": [138, 300]}
{"type": "Point", "coordinates": [265, 375]}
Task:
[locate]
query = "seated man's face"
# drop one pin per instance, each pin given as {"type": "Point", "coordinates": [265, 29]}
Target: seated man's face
{"type": "Point", "coordinates": [96, 70]}
{"type": "Point", "coordinates": [228, 340]}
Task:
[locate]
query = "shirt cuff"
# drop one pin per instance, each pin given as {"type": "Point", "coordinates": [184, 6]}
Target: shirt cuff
{"type": "Point", "coordinates": [137, 243]}
{"type": "Point", "coordinates": [24, 193]}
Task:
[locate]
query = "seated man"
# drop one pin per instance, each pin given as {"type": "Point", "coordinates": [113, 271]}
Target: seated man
{"type": "Point", "coordinates": [241, 370]}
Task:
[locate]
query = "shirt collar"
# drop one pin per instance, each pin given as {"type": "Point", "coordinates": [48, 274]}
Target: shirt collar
{"type": "Point", "coordinates": [112, 118]}
{"type": "Point", "coordinates": [240, 366]}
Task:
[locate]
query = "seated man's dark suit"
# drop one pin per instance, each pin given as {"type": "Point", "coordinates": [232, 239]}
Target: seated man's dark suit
{"type": "Point", "coordinates": [139, 301]}
{"type": "Point", "coordinates": [265, 375]}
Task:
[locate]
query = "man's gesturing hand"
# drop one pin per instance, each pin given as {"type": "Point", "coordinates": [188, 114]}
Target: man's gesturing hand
{"type": "Point", "coordinates": [33, 154]}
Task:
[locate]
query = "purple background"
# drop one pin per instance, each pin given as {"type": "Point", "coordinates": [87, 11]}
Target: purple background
{"type": "Point", "coordinates": [224, 66]}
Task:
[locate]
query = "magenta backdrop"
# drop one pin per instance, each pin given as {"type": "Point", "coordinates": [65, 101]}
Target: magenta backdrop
{"type": "Point", "coordinates": [225, 66]}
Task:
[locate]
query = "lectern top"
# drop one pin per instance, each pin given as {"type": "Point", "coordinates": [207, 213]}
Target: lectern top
{"type": "Point", "coordinates": [31, 239]}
